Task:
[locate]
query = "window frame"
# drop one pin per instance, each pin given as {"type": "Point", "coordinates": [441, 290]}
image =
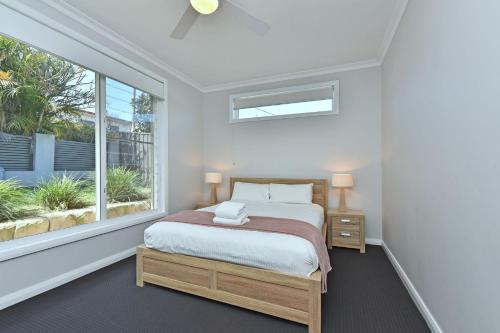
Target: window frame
{"type": "Point", "coordinates": [290, 89]}
{"type": "Point", "coordinates": [31, 244]}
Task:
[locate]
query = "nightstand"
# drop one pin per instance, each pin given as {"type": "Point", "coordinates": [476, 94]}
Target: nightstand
{"type": "Point", "coordinates": [346, 229]}
{"type": "Point", "coordinates": [205, 204]}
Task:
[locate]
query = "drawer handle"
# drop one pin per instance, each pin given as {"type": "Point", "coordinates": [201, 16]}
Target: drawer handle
{"type": "Point", "coordinates": [345, 220]}
{"type": "Point", "coordinates": [345, 234]}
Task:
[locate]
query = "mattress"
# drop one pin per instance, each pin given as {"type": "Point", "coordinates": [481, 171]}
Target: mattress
{"type": "Point", "coordinates": [273, 251]}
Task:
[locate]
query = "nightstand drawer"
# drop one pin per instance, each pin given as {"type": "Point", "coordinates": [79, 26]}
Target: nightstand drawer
{"type": "Point", "coordinates": [345, 227]}
{"type": "Point", "coordinates": [346, 220]}
{"type": "Point", "coordinates": [345, 237]}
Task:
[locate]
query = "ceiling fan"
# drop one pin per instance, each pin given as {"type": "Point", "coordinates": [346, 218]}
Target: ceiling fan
{"type": "Point", "coordinates": [207, 7]}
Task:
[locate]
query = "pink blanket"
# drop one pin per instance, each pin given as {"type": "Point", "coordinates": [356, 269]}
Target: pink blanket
{"type": "Point", "coordinates": [269, 224]}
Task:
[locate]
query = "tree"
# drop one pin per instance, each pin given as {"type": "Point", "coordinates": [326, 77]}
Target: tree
{"type": "Point", "coordinates": [143, 113]}
{"type": "Point", "coordinates": [40, 93]}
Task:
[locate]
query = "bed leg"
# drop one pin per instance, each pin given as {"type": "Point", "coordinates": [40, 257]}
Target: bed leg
{"type": "Point", "coordinates": [315, 307]}
{"type": "Point", "coordinates": [140, 267]}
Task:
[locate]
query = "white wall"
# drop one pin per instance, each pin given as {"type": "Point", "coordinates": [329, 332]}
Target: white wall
{"type": "Point", "coordinates": [441, 158]}
{"type": "Point", "coordinates": [185, 185]}
{"type": "Point", "coordinates": [185, 148]}
{"type": "Point", "coordinates": [305, 147]}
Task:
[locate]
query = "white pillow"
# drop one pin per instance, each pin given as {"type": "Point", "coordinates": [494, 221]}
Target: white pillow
{"type": "Point", "coordinates": [301, 193]}
{"type": "Point", "coordinates": [251, 192]}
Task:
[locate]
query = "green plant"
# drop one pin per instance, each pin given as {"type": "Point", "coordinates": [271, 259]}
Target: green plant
{"type": "Point", "coordinates": [123, 185]}
{"type": "Point", "coordinates": [38, 91]}
{"type": "Point", "coordinates": [11, 199]}
{"type": "Point", "coordinates": [60, 193]}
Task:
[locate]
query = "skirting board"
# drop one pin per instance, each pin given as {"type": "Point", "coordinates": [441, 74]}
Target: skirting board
{"type": "Point", "coordinates": [373, 241]}
{"type": "Point", "coordinates": [59, 280]}
{"type": "Point", "coordinates": [424, 310]}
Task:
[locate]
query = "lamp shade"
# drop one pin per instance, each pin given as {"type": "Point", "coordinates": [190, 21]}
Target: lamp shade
{"type": "Point", "coordinates": [213, 178]}
{"type": "Point", "coordinates": [342, 180]}
{"type": "Point", "coordinates": [205, 7]}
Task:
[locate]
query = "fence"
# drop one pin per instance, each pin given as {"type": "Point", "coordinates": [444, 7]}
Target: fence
{"type": "Point", "coordinates": [30, 159]}
{"type": "Point", "coordinates": [133, 151]}
{"type": "Point", "coordinates": [74, 156]}
{"type": "Point", "coordinates": [16, 152]}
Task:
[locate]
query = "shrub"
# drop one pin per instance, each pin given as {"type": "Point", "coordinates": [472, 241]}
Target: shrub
{"type": "Point", "coordinates": [123, 185]}
{"type": "Point", "coordinates": [60, 193]}
{"type": "Point", "coordinates": [11, 199]}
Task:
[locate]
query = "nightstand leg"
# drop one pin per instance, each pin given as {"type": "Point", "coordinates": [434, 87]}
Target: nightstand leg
{"type": "Point", "coordinates": [329, 235]}
{"type": "Point", "coordinates": [139, 267]}
{"type": "Point", "coordinates": [362, 238]}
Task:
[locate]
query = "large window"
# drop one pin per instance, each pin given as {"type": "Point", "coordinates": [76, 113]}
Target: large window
{"type": "Point", "coordinates": [298, 101]}
{"type": "Point", "coordinates": [66, 157]}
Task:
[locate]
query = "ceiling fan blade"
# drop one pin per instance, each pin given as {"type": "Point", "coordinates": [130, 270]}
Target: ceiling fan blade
{"type": "Point", "coordinates": [246, 18]}
{"type": "Point", "coordinates": [185, 23]}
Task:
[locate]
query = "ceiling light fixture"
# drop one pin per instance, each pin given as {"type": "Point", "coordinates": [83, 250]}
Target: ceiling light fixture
{"type": "Point", "coordinates": [205, 7]}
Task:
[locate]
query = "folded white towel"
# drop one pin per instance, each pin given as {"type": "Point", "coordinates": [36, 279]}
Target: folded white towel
{"type": "Point", "coordinates": [239, 220]}
{"type": "Point", "coordinates": [230, 209]}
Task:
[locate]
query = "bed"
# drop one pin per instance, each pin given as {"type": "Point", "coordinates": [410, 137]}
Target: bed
{"type": "Point", "coordinates": [278, 286]}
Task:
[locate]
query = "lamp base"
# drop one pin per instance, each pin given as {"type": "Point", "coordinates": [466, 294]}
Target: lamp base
{"type": "Point", "coordinates": [213, 194]}
{"type": "Point", "coordinates": [342, 204]}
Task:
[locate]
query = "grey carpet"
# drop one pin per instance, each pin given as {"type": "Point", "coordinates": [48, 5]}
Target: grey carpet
{"type": "Point", "coordinates": [364, 295]}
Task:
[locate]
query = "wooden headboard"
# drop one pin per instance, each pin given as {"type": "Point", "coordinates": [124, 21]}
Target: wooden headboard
{"type": "Point", "coordinates": [320, 187]}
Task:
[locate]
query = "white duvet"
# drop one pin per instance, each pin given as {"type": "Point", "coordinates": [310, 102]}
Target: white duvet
{"type": "Point", "coordinates": [274, 251]}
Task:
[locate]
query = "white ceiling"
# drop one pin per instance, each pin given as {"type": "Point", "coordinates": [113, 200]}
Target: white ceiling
{"type": "Point", "coordinates": [305, 35]}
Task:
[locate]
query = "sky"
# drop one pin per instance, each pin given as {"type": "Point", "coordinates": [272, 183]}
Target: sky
{"type": "Point", "coordinates": [286, 109]}
{"type": "Point", "coordinates": [118, 100]}
{"type": "Point", "coordinates": [118, 97]}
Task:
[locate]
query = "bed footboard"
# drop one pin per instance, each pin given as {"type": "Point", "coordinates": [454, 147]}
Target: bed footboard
{"type": "Point", "coordinates": [285, 296]}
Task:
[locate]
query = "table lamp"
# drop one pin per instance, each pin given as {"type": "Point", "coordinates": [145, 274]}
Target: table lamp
{"type": "Point", "coordinates": [342, 180]}
{"type": "Point", "coordinates": [213, 178]}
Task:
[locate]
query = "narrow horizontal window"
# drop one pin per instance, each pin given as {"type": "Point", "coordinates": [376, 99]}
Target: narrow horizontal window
{"type": "Point", "coordinates": [299, 101]}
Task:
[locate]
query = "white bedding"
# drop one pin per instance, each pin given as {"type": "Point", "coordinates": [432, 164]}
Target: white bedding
{"type": "Point", "coordinates": [274, 251]}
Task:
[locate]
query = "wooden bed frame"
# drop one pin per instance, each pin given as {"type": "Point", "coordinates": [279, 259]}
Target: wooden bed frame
{"type": "Point", "coordinates": [286, 296]}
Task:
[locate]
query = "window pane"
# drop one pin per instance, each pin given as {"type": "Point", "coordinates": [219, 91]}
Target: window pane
{"type": "Point", "coordinates": [130, 151]}
{"type": "Point", "coordinates": [47, 142]}
{"type": "Point", "coordinates": [286, 109]}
